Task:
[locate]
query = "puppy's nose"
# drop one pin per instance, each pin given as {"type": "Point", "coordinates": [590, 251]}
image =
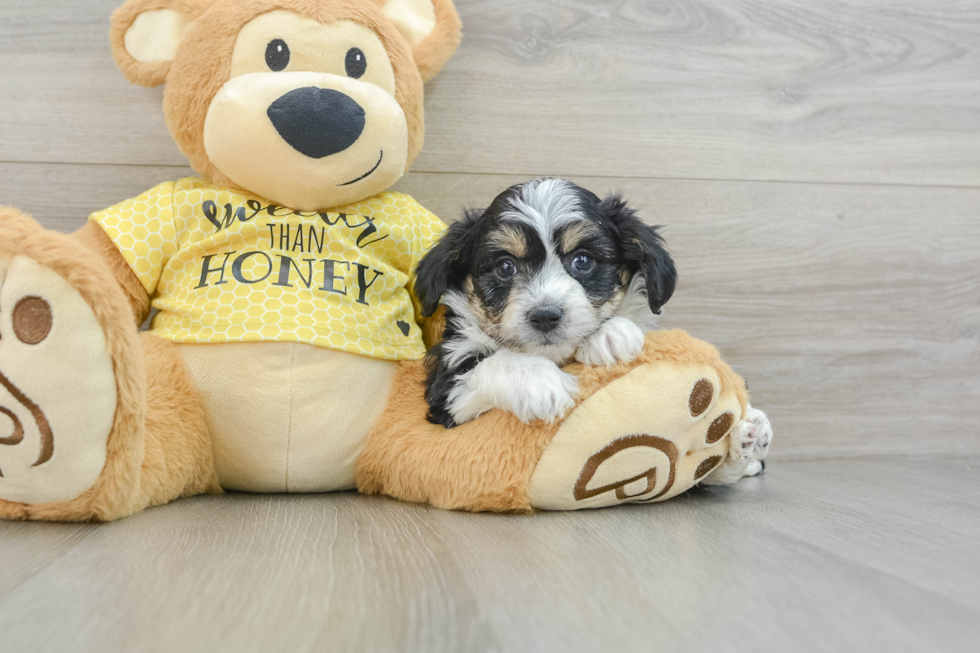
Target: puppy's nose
{"type": "Point", "coordinates": [317, 122]}
{"type": "Point", "coordinates": [546, 318]}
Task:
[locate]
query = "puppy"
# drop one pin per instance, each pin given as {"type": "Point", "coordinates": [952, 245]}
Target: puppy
{"type": "Point", "coordinates": [549, 273]}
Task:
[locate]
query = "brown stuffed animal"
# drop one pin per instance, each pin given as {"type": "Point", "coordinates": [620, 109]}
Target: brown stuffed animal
{"type": "Point", "coordinates": [285, 354]}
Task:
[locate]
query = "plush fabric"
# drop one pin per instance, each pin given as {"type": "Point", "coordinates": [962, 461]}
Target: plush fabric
{"type": "Point", "coordinates": [285, 174]}
{"type": "Point", "coordinates": [203, 62]}
{"type": "Point", "coordinates": [415, 19]}
{"type": "Point", "coordinates": [604, 455]}
{"type": "Point", "coordinates": [432, 52]}
{"type": "Point", "coordinates": [135, 441]}
{"type": "Point", "coordinates": [487, 464]}
{"type": "Point", "coordinates": [483, 465]}
{"type": "Point", "coordinates": [151, 73]}
{"type": "Point", "coordinates": [306, 431]}
{"type": "Point", "coordinates": [178, 459]}
{"type": "Point", "coordinates": [95, 239]}
{"type": "Point", "coordinates": [155, 35]}
{"type": "Point", "coordinates": [49, 325]}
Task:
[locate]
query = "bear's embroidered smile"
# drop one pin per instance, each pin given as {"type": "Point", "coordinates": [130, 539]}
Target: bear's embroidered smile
{"type": "Point", "coordinates": [369, 172]}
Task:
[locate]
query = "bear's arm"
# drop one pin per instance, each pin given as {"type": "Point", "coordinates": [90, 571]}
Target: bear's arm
{"type": "Point", "coordinates": [95, 239]}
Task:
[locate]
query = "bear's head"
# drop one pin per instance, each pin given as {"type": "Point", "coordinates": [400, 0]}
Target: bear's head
{"type": "Point", "coordinates": [309, 103]}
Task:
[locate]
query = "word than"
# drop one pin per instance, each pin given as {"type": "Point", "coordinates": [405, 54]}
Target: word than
{"type": "Point", "coordinates": [308, 239]}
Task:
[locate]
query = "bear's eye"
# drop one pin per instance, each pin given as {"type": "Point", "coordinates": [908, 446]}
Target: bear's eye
{"type": "Point", "coordinates": [356, 63]}
{"type": "Point", "coordinates": [277, 55]}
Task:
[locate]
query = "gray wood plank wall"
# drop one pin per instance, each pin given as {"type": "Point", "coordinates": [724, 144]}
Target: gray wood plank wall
{"type": "Point", "coordinates": [816, 164]}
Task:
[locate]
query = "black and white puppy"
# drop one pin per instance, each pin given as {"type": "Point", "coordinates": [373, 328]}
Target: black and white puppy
{"type": "Point", "coordinates": [549, 273]}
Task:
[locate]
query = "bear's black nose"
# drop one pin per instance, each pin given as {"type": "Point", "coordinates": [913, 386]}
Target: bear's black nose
{"type": "Point", "coordinates": [545, 319]}
{"type": "Point", "coordinates": [317, 122]}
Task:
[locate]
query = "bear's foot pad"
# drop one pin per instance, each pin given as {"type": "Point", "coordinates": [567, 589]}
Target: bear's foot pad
{"type": "Point", "coordinates": [645, 437]}
{"type": "Point", "coordinates": [57, 386]}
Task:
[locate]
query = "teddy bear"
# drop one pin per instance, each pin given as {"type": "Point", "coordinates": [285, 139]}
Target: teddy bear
{"type": "Point", "coordinates": [285, 350]}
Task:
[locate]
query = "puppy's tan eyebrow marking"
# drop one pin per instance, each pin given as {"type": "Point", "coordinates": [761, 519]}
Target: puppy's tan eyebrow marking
{"type": "Point", "coordinates": [510, 240]}
{"type": "Point", "coordinates": [577, 233]}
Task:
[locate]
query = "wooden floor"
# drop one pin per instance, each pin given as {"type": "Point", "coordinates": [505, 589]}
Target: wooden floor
{"type": "Point", "coordinates": [817, 167]}
{"type": "Point", "coordinates": [855, 555]}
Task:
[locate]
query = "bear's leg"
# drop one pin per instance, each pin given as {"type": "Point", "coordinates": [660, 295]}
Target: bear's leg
{"type": "Point", "coordinates": [483, 464]}
{"type": "Point", "coordinates": [642, 431]}
{"type": "Point", "coordinates": [178, 459]}
{"type": "Point", "coordinates": [84, 433]}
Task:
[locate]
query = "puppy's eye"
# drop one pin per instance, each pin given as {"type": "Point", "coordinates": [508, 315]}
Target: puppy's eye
{"type": "Point", "coordinates": [356, 63]}
{"type": "Point", "coordinates": [505, 269]}
{"type": "Point", "coordinates": [582, 263]}
{"type": "Point", "coordinates": [277, 55]}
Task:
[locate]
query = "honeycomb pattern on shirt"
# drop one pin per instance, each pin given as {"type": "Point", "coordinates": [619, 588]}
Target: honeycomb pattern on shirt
{"type": "Point", "coordinates": [223, 266]}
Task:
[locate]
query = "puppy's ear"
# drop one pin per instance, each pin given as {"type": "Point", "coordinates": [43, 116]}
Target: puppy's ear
{"type": "Point", "coordinates": [643, 249]}
{"type": "Point", "coordinates": [445, 261]}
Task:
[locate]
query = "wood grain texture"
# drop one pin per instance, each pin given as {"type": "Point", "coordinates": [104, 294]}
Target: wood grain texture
{"type": "Point", "coordinates": [883, 91]}
{"type": "Point", "coordinates": [872, 555]}
{"type": "Point", "coordinates": [852, 311]}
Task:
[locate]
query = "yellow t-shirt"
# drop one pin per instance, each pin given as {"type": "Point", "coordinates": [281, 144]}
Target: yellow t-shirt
{"type": "Point", "coordinates": [222, 266]}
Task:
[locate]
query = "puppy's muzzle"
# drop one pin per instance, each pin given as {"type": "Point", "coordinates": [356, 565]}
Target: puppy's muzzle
{"type": "Point", "coordinates": [317, 122]}
{"type": "Point", "coordinates": [545, 319]}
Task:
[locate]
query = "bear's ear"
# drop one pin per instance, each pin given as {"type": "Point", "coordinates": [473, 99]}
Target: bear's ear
{"type": "Point", "coordinates": [145, 35]}
{"type": "Point", "coordinates": [431, 27]}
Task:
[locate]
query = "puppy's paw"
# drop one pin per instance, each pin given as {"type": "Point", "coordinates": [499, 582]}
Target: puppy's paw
{"type": "Point", "coordinates": [549, 398]}
{"type": "Point", "coordinates": [749, 446]}
{"type": "Point", "coordinates": [530, 387]}
{"type": "Point", "coordinates": [751, 437]}
{"type": "Point", "coordinates": [618, 340]}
